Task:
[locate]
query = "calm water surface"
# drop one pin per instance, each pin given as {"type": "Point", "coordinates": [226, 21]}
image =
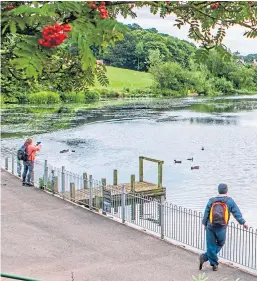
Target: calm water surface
{"type": "Point", "coordinates": [114, 137]}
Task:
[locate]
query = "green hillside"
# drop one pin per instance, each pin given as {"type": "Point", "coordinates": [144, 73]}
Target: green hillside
{"type": "Point", "coordinates": [120, 78]}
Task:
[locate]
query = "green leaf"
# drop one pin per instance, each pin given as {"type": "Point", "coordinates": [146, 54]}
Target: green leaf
{"type": "Point", "coordinates": [13, 28]}
{"type": "Point", "coordinates": [21, 23]}
{"type": "Point", "coordinates": [22, 53]}
{"type": "Point", "coordinates": [25, 46]}
{"type": "Point", "coordinates": [31, 71]}
{"type": "Point", "coordinates": [20, 63]}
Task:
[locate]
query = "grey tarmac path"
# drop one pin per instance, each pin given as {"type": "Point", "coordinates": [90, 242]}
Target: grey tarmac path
{"type": "Point", "coordinates": [48, 238]}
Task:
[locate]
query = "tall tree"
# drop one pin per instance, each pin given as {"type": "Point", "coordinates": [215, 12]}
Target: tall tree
{"type": "Point", "coordinates": [93, 23]}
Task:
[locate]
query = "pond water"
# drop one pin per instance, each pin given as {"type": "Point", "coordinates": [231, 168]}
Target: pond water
{"type": "Point", "coordinates": [113, 137]}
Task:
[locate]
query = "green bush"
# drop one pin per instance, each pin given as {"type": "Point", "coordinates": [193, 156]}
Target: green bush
{"type": "Point", "coordinates": [73, 97]}
{"type": "Point", "coordinates": [44, 97]}
{"type": "Point", "coordinates": [92, 95]}
{"type": "Point", "coordinates": [223, 85]}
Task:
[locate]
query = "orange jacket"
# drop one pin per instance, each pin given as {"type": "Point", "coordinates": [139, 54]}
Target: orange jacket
{"type": "Point", "coordinates": [31, 150]}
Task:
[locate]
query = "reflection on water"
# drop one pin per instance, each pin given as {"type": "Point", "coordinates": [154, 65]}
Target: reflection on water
{"type": "Point", "coordinates": [161, 129]}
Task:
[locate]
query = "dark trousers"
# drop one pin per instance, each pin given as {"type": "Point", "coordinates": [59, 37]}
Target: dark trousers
{"type": "Point", "coordinates": [215, 238]}
{"type": "Point", "coordinates": [28, 169]}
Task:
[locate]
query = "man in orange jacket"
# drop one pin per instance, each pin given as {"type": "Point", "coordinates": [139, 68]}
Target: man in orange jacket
{"type": "Point", "coordinates": [29, 164]}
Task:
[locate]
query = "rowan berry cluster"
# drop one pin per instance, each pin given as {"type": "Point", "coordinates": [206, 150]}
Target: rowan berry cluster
{"type": "Point", "coordinates": [101, 8]}
{"type": "Point", "coordinates": [54, 35]}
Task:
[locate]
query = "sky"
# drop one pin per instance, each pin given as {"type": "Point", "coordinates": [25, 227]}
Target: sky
{"type": "Point", "coordinates": [234, 39]}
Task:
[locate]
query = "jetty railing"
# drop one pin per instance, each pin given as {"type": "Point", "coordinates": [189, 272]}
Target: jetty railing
{"type": "Point", "coordinates": [158, 216]}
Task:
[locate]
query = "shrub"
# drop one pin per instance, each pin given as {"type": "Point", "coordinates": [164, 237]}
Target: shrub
{"type": "Point", "coordinates": [44, 97]}
{"type": "Point", "coordinates": [223, 85]}
{"type": "Point", "coordinates": [92, 95]}
{"type": "Point", "coordinates": [74, 97]}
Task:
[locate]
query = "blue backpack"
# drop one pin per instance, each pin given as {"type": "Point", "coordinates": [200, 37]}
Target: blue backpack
{"type": "Point", "coordinates": [23, 154]}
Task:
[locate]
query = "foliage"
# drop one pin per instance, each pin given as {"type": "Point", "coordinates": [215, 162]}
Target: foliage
{"type": "Point", "coordinates": [140, 43]}
{"type": "Point", "coordinates": [223, 86]}
{"type": "Point", "coordinates": [91, 96]}
{"type": "Point", "coordinates": [44, 97]}
{"type": "Point", "coordinates": [201, 277]}
{"type": "Point", "coordinates": [24, 21]}
{"type": "Point", "coordinates": [73, 97]}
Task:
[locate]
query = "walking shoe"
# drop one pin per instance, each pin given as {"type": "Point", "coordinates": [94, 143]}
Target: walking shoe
{"type": "Point", "coordinates": [215, 267]}
{"type": "Point", "coordinates": [202, 261]}
{"type": "Point", "coordinates": [23, 183]}
{"type": "Point", "coordinates": [29, 184]}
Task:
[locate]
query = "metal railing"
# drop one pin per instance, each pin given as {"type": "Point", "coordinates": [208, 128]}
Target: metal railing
{"type": "Point", "coordinates": [17, 277]}
{"type": "Point", "coordinates": [163, 218]}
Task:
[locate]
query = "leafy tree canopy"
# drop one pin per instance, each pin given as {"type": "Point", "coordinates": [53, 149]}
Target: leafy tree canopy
{"type": "Point", "coordinates": [93, 24]}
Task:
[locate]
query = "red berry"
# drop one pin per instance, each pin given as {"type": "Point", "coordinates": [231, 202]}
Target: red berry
{"type": "Point", "coordinates": [132, 6]}
{"type": "Point", "coordinates": [103, 3]}
{"type": "Point", "coordinates": [10, 7]}
{"type": "Point", "coordinates": [92, 6]}
{"type": "Point", "coordinates": [66, 28]}
{"type": "Point", "coordinates": [167, 2]}
{"type": "Point", "coordinates": [215, 5]}
{"type": "Point", "coordinates": [250, 2]}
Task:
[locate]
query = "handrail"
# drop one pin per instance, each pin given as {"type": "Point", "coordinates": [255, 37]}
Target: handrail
{"type": "Point", "coordinates": [16, 277]}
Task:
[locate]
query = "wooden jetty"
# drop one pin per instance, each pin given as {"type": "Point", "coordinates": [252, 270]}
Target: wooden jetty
{"type": "Point", "coordinates": [140, 187]}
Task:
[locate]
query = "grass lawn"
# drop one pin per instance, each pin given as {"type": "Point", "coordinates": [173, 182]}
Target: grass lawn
{"type": "Point", "coordinates": [120, 78]}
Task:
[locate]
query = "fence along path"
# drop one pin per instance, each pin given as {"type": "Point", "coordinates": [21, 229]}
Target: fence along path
{"type": "Point", "coordinates": [163, 218]}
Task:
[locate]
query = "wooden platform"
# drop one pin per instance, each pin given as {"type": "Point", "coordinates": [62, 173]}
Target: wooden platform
{"type": "Point", "coordinates": [144, 188]}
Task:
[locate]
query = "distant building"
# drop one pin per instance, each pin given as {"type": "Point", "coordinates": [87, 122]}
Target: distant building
{"type": "Point", "coordinates": [101, 62]}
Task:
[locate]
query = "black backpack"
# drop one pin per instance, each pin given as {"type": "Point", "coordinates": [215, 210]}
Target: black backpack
{"type": "Point", "coordinates": [23, 154]}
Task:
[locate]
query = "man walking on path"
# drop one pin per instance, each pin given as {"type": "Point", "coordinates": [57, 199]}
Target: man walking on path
{"type": "Point", "coordinates": [31, 150]}
{"type": "Point", "coordinates": [215, 220]}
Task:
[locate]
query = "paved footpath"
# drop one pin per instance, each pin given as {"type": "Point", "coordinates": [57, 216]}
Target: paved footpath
{"type": "Point", "coordinates": [47, 238]}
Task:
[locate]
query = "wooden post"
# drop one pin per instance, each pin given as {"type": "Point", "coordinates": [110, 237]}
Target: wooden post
{"type": "Point", "coordinates": [132, 183]}
{"type": "Point", "coordinates": [56, 189]}
{"type": "Point", "coordinates": [85, 181]}
{"type": "Point", "coordinates": [115, 177]}
{"type": "Point", "coordinates": [141, 169]}
{"type": "Point", "coordinates": [160, 174]}
{"type": "Point", "coordinates": [72, 191]}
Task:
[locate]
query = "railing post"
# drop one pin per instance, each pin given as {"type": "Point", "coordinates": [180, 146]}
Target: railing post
{"type": "Point", "coordinates": [132, 190]}
{"type": "Point", "coordinates": [12, 164]}
{"type": "Point", "coordinates": [162, 218]}
{"type": "Point", "coordinates": [19, 168]}
{"type": "Point", "coordinates": [90, 192]}
{"type": "Point", "coordinates": [63, 180]}
{"type": "Point", "coordinates": [33, 175]}
{"type": "Point", "coordinates": [72, 191]}
{"type": "Point", "coordinates": [85, 181]}
{"type": "Point", "coordinates": [123, 204]}
{"type": "Point", "coordinates": [6, 163]}
{"type": "Point", "coordinates": [52, 181]}
{"type": "Point", "coordinates": [115, 177]}
{"type": "Point", "coordinates": [56, 185]}
{"type": "Point", "coordinates": [45, 175]}
{"type": "Point", "coordinates": [103, 188]}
